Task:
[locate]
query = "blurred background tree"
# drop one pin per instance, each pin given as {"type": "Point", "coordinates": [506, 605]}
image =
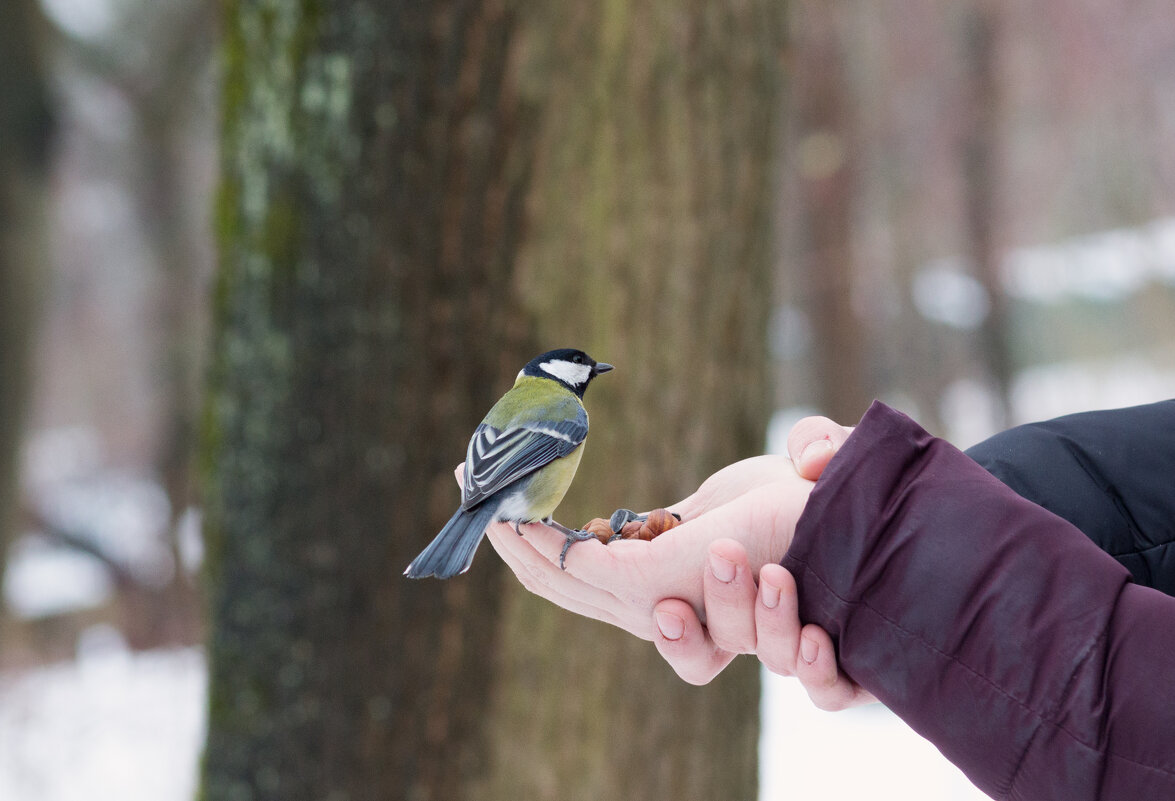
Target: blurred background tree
{"type": "Point", "coordinates": [962, 223]}
{"type": "Point", "coordinates": [26, 133]}
{"type": "Point", "coordinates": [827, 151]}
{"type": "Point", "coordinates": [107, 503]}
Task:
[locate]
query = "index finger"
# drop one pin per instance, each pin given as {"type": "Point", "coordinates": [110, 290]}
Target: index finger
{"type": "Point", "coordinates": [684, 643]}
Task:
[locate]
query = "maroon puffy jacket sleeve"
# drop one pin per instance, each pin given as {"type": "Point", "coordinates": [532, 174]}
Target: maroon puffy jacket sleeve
{"type": "Point", "coordinates": [993, 627]}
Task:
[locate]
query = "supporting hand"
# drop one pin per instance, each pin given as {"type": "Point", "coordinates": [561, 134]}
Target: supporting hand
{"type": "Point", "coordinates": [738, 522]}
{"type": "Point", "coordinates": [755, 502]}
{"type": "Point", "coordinates": [764, 620]}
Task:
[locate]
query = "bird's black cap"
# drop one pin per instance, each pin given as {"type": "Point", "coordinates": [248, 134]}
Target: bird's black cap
{"type": "Point", "coordinates": [570, 367]}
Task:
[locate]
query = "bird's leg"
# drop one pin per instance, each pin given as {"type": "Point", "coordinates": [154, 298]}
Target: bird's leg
{"type": "Point", "coordinates": [573, 536]}
{"type": "Point", "coordinates": [517, 530]}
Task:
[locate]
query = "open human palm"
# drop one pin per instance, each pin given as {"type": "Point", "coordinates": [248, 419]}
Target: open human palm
{"type": "Point", "coordinates": [712, 588]}
{"type": "Point", "coordinates": [755, 502]}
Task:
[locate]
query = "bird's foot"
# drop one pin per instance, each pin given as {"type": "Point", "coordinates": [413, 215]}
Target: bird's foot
{"type": "Point", "coordinates": [572, 535]}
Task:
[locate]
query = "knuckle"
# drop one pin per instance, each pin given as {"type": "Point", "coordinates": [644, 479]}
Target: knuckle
{"type": "Point", "coordinates": [691, 663]}
{"type": "Point", "coordinates": [692, 673]}
{"type": "Point", "coordinates": [821, 703]}
{"type": "Point", "coordinates": [827, 696]}
{"type": "Point", "coordinates": [776, 666]}
{"type": "Point", "coordinates": [735, 645]}
{"type": "Point", "coordinates": [831, 704]}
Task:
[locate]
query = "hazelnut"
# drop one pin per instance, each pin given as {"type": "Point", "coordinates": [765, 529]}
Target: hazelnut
{"type": "Point", "coordinates": [660, 521]}
{"type": "Point", "coordinates": [600, 528]}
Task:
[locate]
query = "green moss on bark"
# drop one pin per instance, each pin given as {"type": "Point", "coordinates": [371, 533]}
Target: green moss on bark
{"type": "Point", "coordinates": [330, 419]}
{"type": "Point", "coordinates": [378, 162]}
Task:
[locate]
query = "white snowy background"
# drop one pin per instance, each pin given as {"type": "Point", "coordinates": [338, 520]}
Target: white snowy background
{"type": "Point", "coordinates": [113, 725]}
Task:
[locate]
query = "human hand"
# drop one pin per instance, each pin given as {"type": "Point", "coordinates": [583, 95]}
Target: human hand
{"type": "Point", "coordinates": [742, 618]}
{"type": "Point", "coordinates": [764, 620]}
{"type": "Point", "coordinates": [755, 502]}
{"type": "Point", "coordinates": [812, 442]}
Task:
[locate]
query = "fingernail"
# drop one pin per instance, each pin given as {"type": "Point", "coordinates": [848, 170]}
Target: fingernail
{"type": "Point", "coordinates": [770, 595]}
{"type": "Point", "coordinates": [808, 650]}
{"type": "Point", "coordinates": [814, 449]}
{"type": "Point", "coordinates": [671, 626]}
{"type": "Point", "coordinates": [723, 569]}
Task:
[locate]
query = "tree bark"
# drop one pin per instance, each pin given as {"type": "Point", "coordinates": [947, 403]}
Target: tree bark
{"type": "Point", "coordinates": [26, 127]}
{"type": "Point", "coordinates": [826, 157]}
{"type": "Point", "coordinates": [367, 219]}
{"type": "Point", "coordinates": [650, 246]}
{"type": "Point", "coordinates": [378, 290]}
{"type": "Point", "coordinates": [981, 172]}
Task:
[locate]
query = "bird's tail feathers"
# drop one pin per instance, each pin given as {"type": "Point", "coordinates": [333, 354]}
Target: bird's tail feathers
{"type": "Point", "coordinates": [451, 551]}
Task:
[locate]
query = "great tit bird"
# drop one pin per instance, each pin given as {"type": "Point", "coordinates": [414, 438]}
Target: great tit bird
{"type": "Point", "coordinates": [520, 460]}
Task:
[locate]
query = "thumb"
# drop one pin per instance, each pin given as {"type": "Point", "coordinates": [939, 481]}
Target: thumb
{"type": "Point", "coordinates": [813, 442]}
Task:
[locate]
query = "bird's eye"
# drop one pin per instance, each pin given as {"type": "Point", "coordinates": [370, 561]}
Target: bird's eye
{"type": "Point", "coordinates": [577, 359]}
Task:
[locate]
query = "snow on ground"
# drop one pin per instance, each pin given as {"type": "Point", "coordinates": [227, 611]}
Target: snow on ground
{"type": "Point", "coordinates": [112, 725]}
{"type": "Point", "coordinates": [41, 579]}
{"type": "Point", "coordinates": [867, 752]}
{"type": "Point", "coordinates": [129, 726]}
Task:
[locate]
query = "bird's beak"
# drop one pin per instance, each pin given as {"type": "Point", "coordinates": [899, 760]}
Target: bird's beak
{"type": "Point", "coordinates": [601, 367]}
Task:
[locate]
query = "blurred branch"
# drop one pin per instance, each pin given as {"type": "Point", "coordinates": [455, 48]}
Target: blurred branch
{"type": "Point", "coordinates": [119, 573]}
{"type": "Point", "coordinates": [150, 85]}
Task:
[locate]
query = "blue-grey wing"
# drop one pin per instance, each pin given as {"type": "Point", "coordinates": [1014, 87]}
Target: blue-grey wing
{"type": "Point", "coordinates": [497, 458]}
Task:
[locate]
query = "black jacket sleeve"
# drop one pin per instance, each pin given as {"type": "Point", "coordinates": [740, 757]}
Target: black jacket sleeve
{"type": "Point", "coordinates": [1109, 473]}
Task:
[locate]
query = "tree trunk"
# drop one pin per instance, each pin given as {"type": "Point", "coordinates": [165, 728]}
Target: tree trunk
{"type": "Point", "coordinates": [25, 132]}
{"type": "Point", "coordinates": [981, 171]}
{"type": "Point", "coordinates": [378, 291]}
{"type": "Point", "coordinates": [367, 219]}
{"type": "Point", "coordinates": [827, 165]}
{"type": "Point", "coordinates": [650, 248]}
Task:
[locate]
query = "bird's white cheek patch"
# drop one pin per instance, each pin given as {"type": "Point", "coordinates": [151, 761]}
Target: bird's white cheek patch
{"type": "Point", "coordinates": [567, 372]}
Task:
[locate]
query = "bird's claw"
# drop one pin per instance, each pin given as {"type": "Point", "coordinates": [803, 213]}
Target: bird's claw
{"type": "Point", "coordinates": [572, 536]}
